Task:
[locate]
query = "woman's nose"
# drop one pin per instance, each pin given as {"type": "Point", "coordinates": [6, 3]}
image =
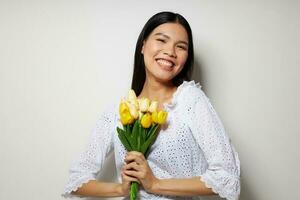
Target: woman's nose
{"type": "Point", "coordinates": [170, 51]}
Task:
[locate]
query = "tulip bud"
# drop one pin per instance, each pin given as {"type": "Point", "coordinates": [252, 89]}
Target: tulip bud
{"type": "Point", "coordinates": [131, 96]}
{"type": "Point", "coordinates": [154, 116]}
{"type": "Point", "coordinates": [140, 114]}
{"type": "Point", "coordinates": [133, 111]}
{"type": "Point", "coordinates": [146, 120]}
{"type": "Point", "coordinates": [125, 116]}
{"type": "Point", "coordinates": [161, 117]}
{"type": "Point", "coordinates": [123, 107]}
{"type": "Point", "coordinates": [136, 104]}
{"type": "Point", "coordinates": [153, 106]}
{"type": "Point", "coordinates": [144, 104]}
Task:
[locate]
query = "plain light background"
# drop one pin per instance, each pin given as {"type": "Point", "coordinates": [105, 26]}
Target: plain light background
{"type": "Point", "coordinates": [61, 62]}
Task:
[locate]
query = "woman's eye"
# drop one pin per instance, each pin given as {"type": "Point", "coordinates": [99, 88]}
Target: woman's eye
{"type": "Point", "coordinates": [161, 40]}
{"type": "Point", "coordinates": [182, 47]}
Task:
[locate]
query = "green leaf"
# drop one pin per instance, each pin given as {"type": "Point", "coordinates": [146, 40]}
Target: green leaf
{"type": "Point", "coordinates": [151, 130]}
{"type": "Point", "coordinates": [143, 133]}
{"type": "Point", "coordinates": [130, 126]}
{"type": "Point", "coordinates": [120, 130]}
{"type": "Point", "coordinates": [123, 139]}
{"type": "Point", "coordinates": [138, 142]}
{"type": "Point", "coordinates": [152, 136]}
{"type": "Point", "coordinates": [127, 130]}
{"type": "Point", "coordinates": [135, 130]}
{"type": "Point", "coordinates": [128, 134]}
{"type": "Point", "coordinates": [134, 136]}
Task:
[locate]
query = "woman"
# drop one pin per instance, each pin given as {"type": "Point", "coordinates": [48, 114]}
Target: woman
{"type": "Point", "coordinates": [192, 155]}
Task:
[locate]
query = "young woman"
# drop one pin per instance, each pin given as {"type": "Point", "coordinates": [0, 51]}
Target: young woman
{"type": "Point", "coordinates": [192, 155]}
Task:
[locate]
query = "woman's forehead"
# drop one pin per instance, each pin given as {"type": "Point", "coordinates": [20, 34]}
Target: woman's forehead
{"type": "Point", "coordinates": [171, 30]}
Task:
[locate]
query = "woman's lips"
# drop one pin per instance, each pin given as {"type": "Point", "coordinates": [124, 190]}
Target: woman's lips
{"type": "Point", "coordinates": [165, 64]}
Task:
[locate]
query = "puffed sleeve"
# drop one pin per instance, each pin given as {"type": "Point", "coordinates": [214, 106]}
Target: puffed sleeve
{"type": "Point", "coordinates": [89, 162]}
{"type": "Point", "coordinates": [223, 172]}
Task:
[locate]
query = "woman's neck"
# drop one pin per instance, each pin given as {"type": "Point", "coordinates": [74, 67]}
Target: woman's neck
{"type": "Point", "coordinates": [158, 91]}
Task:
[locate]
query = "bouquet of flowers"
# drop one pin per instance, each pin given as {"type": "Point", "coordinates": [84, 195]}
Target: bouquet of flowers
{"type": "Point", "coordinates": [141, 121]}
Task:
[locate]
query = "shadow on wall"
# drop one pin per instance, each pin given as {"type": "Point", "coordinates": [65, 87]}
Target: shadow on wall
{"type": "Point", "coordinates": [246, 192]}
{"type": "Point", "coordinates": [200, 76]}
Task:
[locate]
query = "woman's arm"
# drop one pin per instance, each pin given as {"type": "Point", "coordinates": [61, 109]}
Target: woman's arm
{"type": "Point", "coordinates": [223, 165]}
{"type": "Point", "coordinates": [181, 187]}
{"type": "Point", "coordinates": [95, 188]}
{"type": "Point", "coordinates": [138, 167]}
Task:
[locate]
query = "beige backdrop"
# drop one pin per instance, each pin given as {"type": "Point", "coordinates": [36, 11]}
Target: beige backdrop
{"type": "Point", "coordinates": [61, 62]}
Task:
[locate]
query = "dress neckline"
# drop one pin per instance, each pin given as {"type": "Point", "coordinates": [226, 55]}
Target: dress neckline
{"type": "Point", "coordinates": [170, 105]}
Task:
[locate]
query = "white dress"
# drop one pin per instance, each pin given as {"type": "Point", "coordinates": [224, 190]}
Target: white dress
{"type": "Point", "coordinates": [191, 143]}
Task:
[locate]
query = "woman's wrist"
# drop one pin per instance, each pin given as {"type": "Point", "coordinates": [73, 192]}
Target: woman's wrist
{"type": "Point", "coordinates": [120, 191]}
{"type": "Point", "coordinates": [154, 187]}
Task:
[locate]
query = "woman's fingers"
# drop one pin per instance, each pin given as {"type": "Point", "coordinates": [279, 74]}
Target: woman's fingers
{"type": "Point", "coordinates": [132, 165]}
{"type": "Point", "coordinates": [128, 178]}
{"type": "Point", "coordinates": [134, 156]}
{"type": "Point", "coordinates": [132, 169]}
{"type": "Point", "coordinates": [132, 173]}
{"type": "Point", "coordinates": [138, 168]}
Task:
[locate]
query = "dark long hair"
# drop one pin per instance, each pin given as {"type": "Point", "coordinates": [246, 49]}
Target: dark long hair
{"type": "Point", "coordinates": [139, 73]}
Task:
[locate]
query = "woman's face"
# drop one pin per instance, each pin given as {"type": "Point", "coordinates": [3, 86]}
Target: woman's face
{"type": "Point", "coordinates": [165, 51]}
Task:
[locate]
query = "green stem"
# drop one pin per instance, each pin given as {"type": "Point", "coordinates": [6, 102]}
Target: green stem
{"type": "Point", "coordinates": [133, 190]}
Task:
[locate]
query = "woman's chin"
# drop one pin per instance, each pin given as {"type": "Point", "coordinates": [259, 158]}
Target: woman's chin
{"type": "Point", "coordinates": [165, 78]}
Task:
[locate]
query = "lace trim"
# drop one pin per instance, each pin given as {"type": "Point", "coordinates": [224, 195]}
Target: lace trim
{"type": "Point", "coordinates": [223, 194]}
{"type": "Point", "coordinates": [179, 89]}
{"type": "Point", "coordinates": [67, 192]}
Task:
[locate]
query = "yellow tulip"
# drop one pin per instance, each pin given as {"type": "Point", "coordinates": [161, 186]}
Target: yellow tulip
{"type": "Point", "coordinates": [144, 104]}
{"type": "Point", "coordinates": [161, 117]}
{"type": "Point", "coordinates": [133, 111]}
{"type": "Point", "coordinates": [131, 96]}
{"type": "Point", "coordinates": [146, 120]}
{"type": "Point", "coordinates": [125, 116]}
{"type": "Point", "coordinates": [154, 117]}
{"type": "Point", "coordinates": [135, 103]}
{"type": "Point", "coordinates": [139, 103]}
{"type": "Point", "coordinates": [123, 106]}
{"type": "Point", "coordinates": [140, 114]}
{"type": "Point", "coordinates": [153, 106]}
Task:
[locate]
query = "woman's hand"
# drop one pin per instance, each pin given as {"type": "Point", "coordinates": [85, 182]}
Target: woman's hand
{"type": "Point", "coordinates": [126, 182]}
{"type": "Point", "coordinates": [137, 167]}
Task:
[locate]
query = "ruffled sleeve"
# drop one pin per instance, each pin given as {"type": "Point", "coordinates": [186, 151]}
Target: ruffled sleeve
{"type": "Point", "coordinates": [223, 172]}
{"type": "Point", "coordinates": [89, 162]}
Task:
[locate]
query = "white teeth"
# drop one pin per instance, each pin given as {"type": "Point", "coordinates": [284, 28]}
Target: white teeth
{"type": "Point", "coordinates": [165, 63]}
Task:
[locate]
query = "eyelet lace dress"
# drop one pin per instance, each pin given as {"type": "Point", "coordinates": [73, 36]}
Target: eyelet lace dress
{"type": "Point", "coordinates": [191, 143]}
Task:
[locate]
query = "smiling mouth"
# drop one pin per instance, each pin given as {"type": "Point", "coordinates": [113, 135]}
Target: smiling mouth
{"type": "Point", "coordinates": [165, 63]}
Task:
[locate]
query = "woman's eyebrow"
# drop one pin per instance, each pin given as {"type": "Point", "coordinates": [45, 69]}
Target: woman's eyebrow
{"type": "Point", "coordinates": [166, 36]}
{"type": "Point", "coordinates": [162, 34]}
